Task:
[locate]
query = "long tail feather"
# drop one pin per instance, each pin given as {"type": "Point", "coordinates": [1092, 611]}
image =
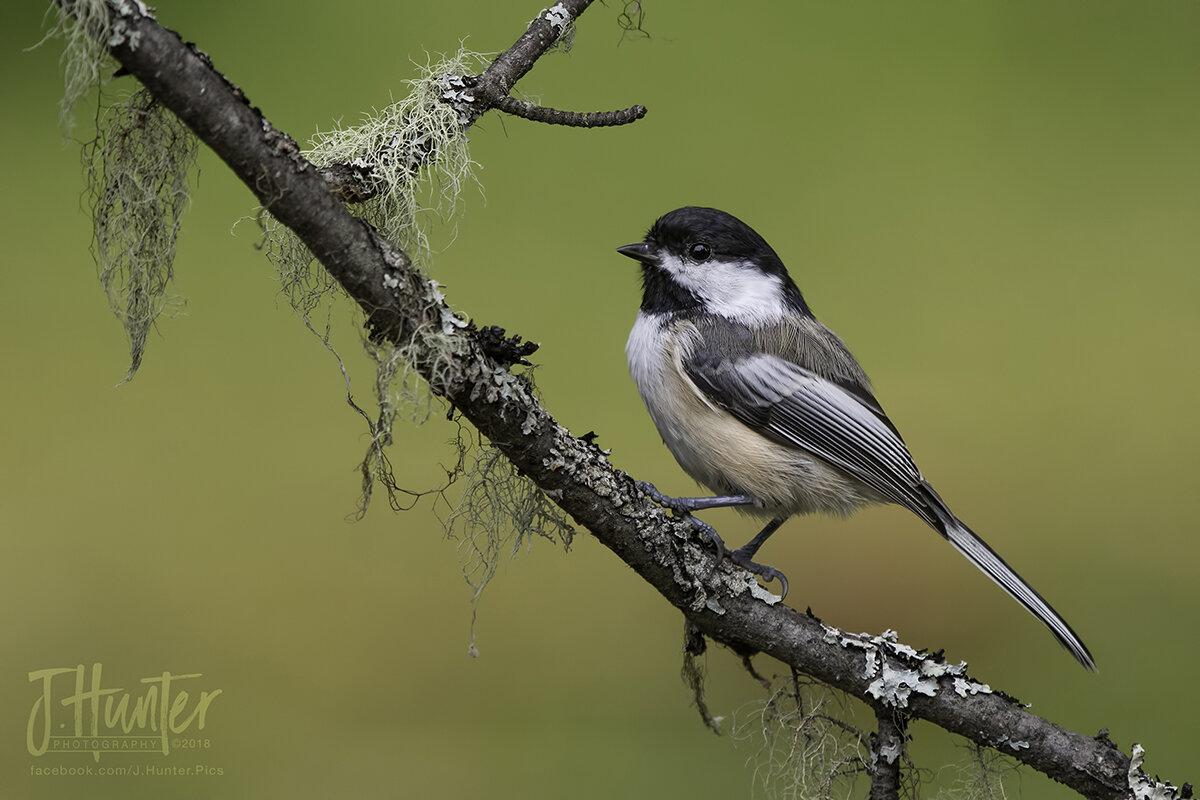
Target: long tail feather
{"type": "Point", "coordinates": [985, 558]}
{"type": "Point", "coordinates": [982, 556]}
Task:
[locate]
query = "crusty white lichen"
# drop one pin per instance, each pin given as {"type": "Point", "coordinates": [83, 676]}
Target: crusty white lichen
{"type": "Point", "coordinates": [894, 686]}
{"type": "Point", "coordinates": [562, 25]}
{"type": "Point", "coordinates": [459, 94]}
{"type": "Point", "coordinates": [918, 672]}
{"type": "Point", "coordinates": [965, 686]}
{"type": "Point", "coordinates": [1142, 786]}
{"type": "Point", "coordinates": [558, 17]}
{"type": "Point", "coordinates": [890, 752]}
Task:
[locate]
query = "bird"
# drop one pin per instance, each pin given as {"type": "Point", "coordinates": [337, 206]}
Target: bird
{"type": "Point", "coordinates": [765, 406]}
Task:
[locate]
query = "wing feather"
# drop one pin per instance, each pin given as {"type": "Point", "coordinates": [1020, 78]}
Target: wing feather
{"type": "Point", "coordinates": [791, 404]}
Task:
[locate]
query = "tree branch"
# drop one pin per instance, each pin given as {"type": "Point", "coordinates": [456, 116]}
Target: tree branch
{"type": "Point", "coordinates": [472, 96]}
{"type": "Point", "coordinates": [572, 119]}
{"type": "Point", "coordinates": [887, 754]}
{"type": "Point", "coordinates": [720, 600]}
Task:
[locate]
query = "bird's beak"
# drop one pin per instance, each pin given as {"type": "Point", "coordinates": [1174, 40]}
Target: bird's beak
{"type": "Point", "coordinates": [644, 252]}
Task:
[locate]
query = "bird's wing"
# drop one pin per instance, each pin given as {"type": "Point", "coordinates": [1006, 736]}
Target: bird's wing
{"type": "Point", "coordinates": [793, 405]}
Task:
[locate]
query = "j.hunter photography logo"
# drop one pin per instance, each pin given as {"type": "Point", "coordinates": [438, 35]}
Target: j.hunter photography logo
{"type": "Point", "coordinates": [76, 713]}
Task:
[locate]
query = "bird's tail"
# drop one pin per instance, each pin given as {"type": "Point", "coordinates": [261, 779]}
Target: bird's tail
{"type": "Point", "coordinates": [985, 558]}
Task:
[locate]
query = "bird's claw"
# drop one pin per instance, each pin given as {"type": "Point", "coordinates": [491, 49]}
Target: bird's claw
{"type": "Point", "coordinates": [768, 574]}
{"type": "Point", "coordinates": [710, 537]}
{"type": "Point", "coordinates": [677, 504]}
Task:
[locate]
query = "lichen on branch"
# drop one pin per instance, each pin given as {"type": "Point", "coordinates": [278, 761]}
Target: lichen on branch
{"type": "Point", "coordinates": [499, 511]}
{"type": "Point", "coordinates": [414, 143]}
{"type": "Point", "coordinates": [414, 153]}
{"type": "Point", "coordinates": [137, 169]}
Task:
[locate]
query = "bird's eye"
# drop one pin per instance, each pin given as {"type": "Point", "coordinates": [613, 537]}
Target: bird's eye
{"type": "Point", "coordinates": [699, 252]}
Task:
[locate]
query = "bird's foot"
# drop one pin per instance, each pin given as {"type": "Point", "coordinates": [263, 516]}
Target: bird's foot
{"type": "Point", "coordinates": [768, 574]}
{"type": "Point", "coordinates": [684, 505]}
{"type": "Point", "coordinates": [708, 535]}
{"type": "Point", "coordinates": [741, 556]}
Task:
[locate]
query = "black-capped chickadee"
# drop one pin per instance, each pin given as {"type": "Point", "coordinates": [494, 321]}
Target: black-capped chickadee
{"type": "Point", "coordinates": [763, 404]}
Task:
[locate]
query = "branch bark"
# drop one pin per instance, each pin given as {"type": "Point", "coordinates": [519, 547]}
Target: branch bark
{"type": "Point", "coordinates": [887, 754]}
{"type": "Point", "coordinates": [719, 600]}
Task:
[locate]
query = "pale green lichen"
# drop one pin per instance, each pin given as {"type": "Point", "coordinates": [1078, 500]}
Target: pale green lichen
{"type": "Point", "coordinates": [415, 153]}
{"type": "Point", "coordinates": [404, 147]}
{"type": "Point", "coordinates": [399, 387]}
{"type": "Point", "coordinates": [137, 170]}
{"type": "Point", "coordinates": [499, 511]}
{"type": "Point", "coordinates": [980, 776]}
{"type": "Point", "coordinates": [308, 287]}
{"type": "Point", "coordinates": [88, 29]}
{"type": "Point", "coordinates": [811, 743]}
{"type": "Point", "coordinates": [808, 744]}
{"type": "Point", "coordinates": [632, 18]}
{"type": "Point", "coordinates": [137, 167]}
{"type": "Point", "coordinates": [694, 673]}
{"type": "Point", "coordinates": [85, 60]}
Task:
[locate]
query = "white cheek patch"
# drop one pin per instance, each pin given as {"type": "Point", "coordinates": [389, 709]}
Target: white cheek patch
{"type": "Point", "coordinates": [734, 289]}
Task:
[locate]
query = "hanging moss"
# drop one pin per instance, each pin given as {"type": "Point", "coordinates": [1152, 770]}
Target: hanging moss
{"type": "Point", "coordinates": [499, 511]}
{"type": "Point", "coordinates": [412, 149]}
{"type": "Point", "coordinates": [137, 182]}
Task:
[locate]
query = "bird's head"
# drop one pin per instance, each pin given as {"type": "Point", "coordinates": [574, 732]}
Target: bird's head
{"type": "Point", "coordinates": [705, 260]}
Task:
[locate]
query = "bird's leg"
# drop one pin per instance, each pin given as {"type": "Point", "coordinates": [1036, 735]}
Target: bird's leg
{"type": "Point", "coordinates": [751, 547]}
{"type": "Point", "coordinates": [708, 535]}
{"type": "Point", "coordinates": [743, 557]}
{"type": "Point", "coordinates": [687, 505]}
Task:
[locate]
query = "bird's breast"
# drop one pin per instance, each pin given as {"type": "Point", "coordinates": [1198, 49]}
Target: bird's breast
{"type": "Point", "coordinates": [713, 446]}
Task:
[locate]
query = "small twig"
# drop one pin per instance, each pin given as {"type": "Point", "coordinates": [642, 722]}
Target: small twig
{"type": "Point", "coordinates": [506, 350]}
{"type": "Point", "coordinates": [574, 119]}
{"type": "Point", "coordinates": [694, 646]}
{"type": "Point", "coordinates": [887, 753]}
{"type": "Point", "coordinates": [749, 665]}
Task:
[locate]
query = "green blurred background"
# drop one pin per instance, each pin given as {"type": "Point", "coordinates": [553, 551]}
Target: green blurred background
{"type": "Point", "coordinates": [995, 204]}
